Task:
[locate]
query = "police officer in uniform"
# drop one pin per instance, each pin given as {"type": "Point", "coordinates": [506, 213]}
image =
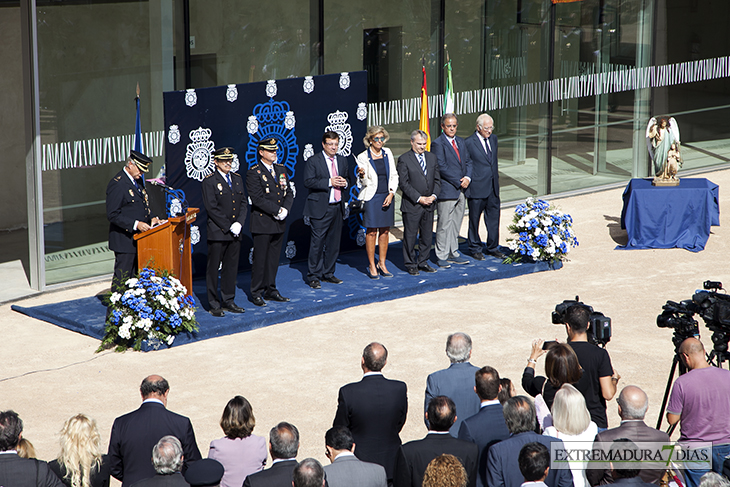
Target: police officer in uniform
{"type": "Point", "coordinates": [225, 203]}
{"type": "Point", "coordinates": [271, 200]}
{"type": "Point", "coordinates": [128, 212]}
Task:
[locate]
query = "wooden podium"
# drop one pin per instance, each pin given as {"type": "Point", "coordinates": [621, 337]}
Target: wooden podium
{"type": "Point", "coordinates": [167, 247]}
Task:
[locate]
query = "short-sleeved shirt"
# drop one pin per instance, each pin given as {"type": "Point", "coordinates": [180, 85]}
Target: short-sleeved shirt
{"type": "Point", "coordinates": [595, 363]}
{"type": "Point", "coordinates": [701, 398]}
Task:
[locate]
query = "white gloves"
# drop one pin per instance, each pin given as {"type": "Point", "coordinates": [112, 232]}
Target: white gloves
{"type": "Point", "coordinates": [236, 228]}
{"type": "Point", "coordinates": [283, 212]}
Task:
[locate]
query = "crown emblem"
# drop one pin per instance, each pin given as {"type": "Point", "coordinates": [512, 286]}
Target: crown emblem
{"type": "Point", "coordinates": [200, 135]}
{"type": "Point", "coordinates": [337, 118]}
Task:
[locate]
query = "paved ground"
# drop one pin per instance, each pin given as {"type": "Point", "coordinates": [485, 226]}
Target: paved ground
{"type": "Point", "coordinates": [292, 371]}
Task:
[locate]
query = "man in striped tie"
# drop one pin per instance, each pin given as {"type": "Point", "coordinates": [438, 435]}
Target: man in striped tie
{"type": "Point", "coordinates": [420, 181]}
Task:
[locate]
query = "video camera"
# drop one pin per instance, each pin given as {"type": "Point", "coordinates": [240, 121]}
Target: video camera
{"type": "Point", "coordinates": [599, 325]}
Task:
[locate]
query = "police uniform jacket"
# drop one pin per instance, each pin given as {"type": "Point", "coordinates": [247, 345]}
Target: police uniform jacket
{"type": "Point", "coordinates": [225, 205]}
{"type": "Point", "coordinates": [267, 196]}
{"type": "Point", "coordinates": [125, 203]}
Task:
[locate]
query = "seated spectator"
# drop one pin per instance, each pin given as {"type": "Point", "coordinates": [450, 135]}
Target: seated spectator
{"type": "Point", "coordinates": [507, 390]}
{"type": "Point", "coordinates": [167, 458]}
{"type": "Point", "coordinates": [283, 447]}
{"type": "Point", "coordinates": [445, 471]}
{"type": "Point", "coordinates": [572, 423]}
{"type": "Point", "coordinates": [713, 479]}
{"type": "Point", "coordinates": [561, 367]}
{"type": "Point", "coordinates": [308, 473]}
{"type": "Point", "coordinates": [204, 473]}
{"type": "Point", "coordinates": [81, 463]}
{"type": "Point", "coordinates": [25, 449]}
{"type": "Point", "coordinates": [626, 477]}
{"type": "Point", "coordinates": [14, 470]}
{"type": "Point", "coordinates": [345, 466]}
{"type": "Point", "coordinates": [534, 462]}
{"type": "Point", "coordinates": [240, 452]}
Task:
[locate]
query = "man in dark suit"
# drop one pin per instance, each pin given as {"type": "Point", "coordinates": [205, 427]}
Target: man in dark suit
{"type": "Point", "coordinates": [502, 460]}
{"type": "Point", "coordinates": [136, 433]}
{"type": "Point", "coordinates": [225, 204]}
{"type": "Point", "coordinates": [16, 471]}
{"type": "Point", "coordinates": [374, 410]}
{"type": "Point", "coordinates": [455, 170]}
{"type": "Point", "coordinates": [487, 427]}
{"type": "Point", "coordinates": [128, 212]}
{"type": "Point", "coordinates": [483, 191]}
{"type": "Point", "coordinates": [414, 456]}
{"type": "Point", "coordinates": [420, 182]}
{"type": "Point", "coordinates": [268, 189]}
{"type": "Point", "coordinates": [632, 406]}
{"type": "Point", "coordinates": [327, 176]}
{"type": "Point", "coordinates": [309, 473]}
{"type": "Point", "coordinates": [456, 382]}
{"type": "Point", "coordinates": [167, 458]}
{"type": "Point", "coordinates": [346, 470]}
{"type": "Point", "coordinates": [283, 447]}
{"type": "Point", "coordinates": [623, 476]}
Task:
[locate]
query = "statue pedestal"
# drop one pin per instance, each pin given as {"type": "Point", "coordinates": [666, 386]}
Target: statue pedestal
{"type": "Point", "coordinates": [665, 182]}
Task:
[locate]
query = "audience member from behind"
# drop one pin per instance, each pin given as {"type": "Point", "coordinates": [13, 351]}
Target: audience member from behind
{"type": "Point", "coordinates": [534, 462]}
{"type": "Point", "coordinates": [204, 473]}
{"type": "Point", "coordinates": [700, 401]}
{"type": "Point", "coordinates": [14, 470]}
{"type": "Point", "coordinates": [487, 427]}
{"type": "Point", "coordinates": [599, 380]}
{"type": "Point", "coordinates": [625, 477]}
{"type": "Point", "coordinates": [345, 469]}
{"type": "Point", "coordinates": [561, 367]}
{"type": "Point", "coordinates": [136, 433]}
{"type": "Point", "coordinates": [712, 479]}
{"type": "Point", "coordinates": [414, 456]}
{"type": "Point", "coordinates": [445, 471]}
{"type": "Point", "coordinates": [25, 449]}
{"type": "Point", "coordinates": [572, 424]}
{"type": "Point", "coordinates": [240, 452]}
{"type": "Point", "coordinates": [283, 447]}
{"type": "Point", "coordinates": [167, 459]}
{"type": "Point", "coordinates": [507, 390]}
{"type": "Point", "coordinates": [456, 382]}
{"type": "Point", "coordinates": [632, 406]}
{"type": "Point", "coordinates": [502, 465]}
{"type": "Point", "coordinates": [80, 462]}
{"type": "Point", "coordinates": [374, 410]}
{"type": "Point", "coordinates": [308, 473]}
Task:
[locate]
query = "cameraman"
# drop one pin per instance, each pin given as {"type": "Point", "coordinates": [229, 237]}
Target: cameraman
{"type": "Point", "coordinates": [599, 380]}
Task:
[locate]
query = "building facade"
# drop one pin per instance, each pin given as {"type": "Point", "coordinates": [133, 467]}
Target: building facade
{"type": "Point", "coordinates": [571, 87]}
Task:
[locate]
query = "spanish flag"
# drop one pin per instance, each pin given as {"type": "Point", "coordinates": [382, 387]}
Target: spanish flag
{"type": "Point", "coordinates": [423, 123]}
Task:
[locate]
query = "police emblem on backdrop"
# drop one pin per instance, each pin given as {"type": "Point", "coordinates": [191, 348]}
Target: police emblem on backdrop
{"type": "Point", "coordinates": [273, 119]}
{"type": "Point", "coordinates": [198, 155]}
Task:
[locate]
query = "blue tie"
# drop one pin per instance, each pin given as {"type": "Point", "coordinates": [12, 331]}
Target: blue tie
{"type": "Point", "coordinates": [228, 178]}
{"type": "Point", "coordinates": [423, 163]}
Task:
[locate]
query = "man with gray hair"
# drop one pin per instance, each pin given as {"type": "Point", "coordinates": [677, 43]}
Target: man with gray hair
{"type": "Point", "coordinates": [457, 382]}
{"type": "Point", "coordinates": [167, 458]}
{"type": "Point", "coordinates": [503, 468]}
{"type": "Point", "coordinates": [309, 473]}
{"type": "Point", "coordinates": [420, 181]}
{"type": "Point", "coordinates": [283, 447]}
{"type": "Point", "coordinates": [632, 406]}
{"type": "Point", "coordinates": [483, 192]}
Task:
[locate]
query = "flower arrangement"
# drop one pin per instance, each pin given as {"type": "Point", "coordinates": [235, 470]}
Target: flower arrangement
{"type": "Point", "coordinates": [149, 307]}
{"type": "Point", "coordinates": [541, 231]}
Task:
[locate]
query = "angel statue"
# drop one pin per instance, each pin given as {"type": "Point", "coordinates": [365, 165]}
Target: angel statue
{"type": "Point", "coordinates": [662, 140]}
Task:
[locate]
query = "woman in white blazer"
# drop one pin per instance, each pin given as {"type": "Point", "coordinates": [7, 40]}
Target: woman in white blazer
{"type": "Point", "coordinates": [377, 179]}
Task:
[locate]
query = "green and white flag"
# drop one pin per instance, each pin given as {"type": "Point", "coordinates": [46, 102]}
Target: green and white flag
{"type": "Point", "coordinates": [449, 93]}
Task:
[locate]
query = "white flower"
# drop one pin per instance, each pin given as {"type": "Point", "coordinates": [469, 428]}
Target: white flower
{"type": "Point", "coordinates": [131, 282]}
{"type": "Point", "coordinates": [115, 297]}
{"type": "Point", "coordinates": [127, 320]}
{"type": "Point", "coordinates": [170, 339]}
{"type": "Point", "coordinates": [145, 324]}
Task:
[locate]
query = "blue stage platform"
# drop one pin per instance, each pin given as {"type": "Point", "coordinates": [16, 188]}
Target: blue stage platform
{"type": "Point", "coordinates": [87, 315]}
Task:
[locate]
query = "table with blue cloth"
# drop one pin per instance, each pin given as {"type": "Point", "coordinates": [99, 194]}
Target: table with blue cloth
{"type": "Point", "coordinates": [661, 217]}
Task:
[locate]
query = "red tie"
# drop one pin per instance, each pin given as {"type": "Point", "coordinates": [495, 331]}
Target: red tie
{"type": "Point", "coordinates": [453, 142]}
{"type": "Point", "coordinates": [334, 172]}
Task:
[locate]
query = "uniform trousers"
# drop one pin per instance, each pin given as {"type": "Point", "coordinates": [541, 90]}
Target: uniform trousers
{"type": "Point", "coordinates": [266, 250]}
{"type": "Point", "coordinates": [225, 252]}
{"type": "Point", "coordinates": [125, 266]}
{"type": "Point", "coordinates": [450, 215]}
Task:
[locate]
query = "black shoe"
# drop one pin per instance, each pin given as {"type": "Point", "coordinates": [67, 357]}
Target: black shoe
{"type": "Point", "coordinates": [413, 271]}
{"type": "Point", "coordinates": [426, 268]}
{"type": "Point", "coordinates": [372, 276]}
{"type": "Point", "coordinates": [217, 312]}
{"type": "Point", "coordinates": [332, 279]}
{"type": "Point", "coordinates": [233, 308]}
{"type": "Point", "coordinates": [258, 301]}
{"type": "Point", "coordinates": [477, 256]}
{"type": "Point", "coordinates": [497, 254]}
{"type": "Point", "coordinates": [314, 284]}
{"type": "Point", "coordinates": [382, 272]}
{"type": "Point", "coordinates": [277, 297]}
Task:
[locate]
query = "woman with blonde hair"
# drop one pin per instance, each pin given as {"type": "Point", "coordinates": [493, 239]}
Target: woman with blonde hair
{"type": "Point", "coordinates": [572, 424]}
{"type": "Point", "coordinates": [81, 463]}
{"type": "Point", "coordinates": [240, 452]}
{"type": "Point", "coordinates": [445, 471]}
{"type": "Point", "coordinates": [377, 179]}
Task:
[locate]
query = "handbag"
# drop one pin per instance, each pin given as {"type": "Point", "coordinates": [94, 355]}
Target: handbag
{"type": "Point", "coordinates": [356, 206]}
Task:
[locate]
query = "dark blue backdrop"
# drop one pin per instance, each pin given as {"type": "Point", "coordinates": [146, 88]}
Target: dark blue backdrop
{"type": "Point", "coordinates": [296, 111]}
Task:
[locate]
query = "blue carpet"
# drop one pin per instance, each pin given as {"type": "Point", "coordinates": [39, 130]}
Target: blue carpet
{"type": "Point", "coordinates": [87, 315]}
